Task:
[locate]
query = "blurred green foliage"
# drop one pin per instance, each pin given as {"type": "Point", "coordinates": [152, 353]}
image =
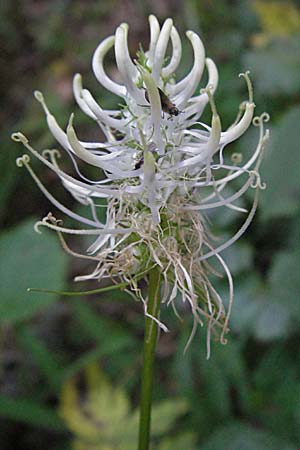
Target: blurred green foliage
{"type": "Point", "coordinates": [247, 396]}
{"type": "Point", "coordinates": [102, 419]}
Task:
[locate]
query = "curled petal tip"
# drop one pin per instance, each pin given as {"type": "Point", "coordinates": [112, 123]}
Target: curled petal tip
{"type": "Point", "coordinates": [23, 160]}
{"type": "Point", "coordinates": [39, 96]}
{"type": "Point", "coordinates": [19, 137]}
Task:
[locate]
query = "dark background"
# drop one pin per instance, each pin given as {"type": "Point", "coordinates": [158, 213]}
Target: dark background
{"type": "Point", "coordinates": [52, 348]}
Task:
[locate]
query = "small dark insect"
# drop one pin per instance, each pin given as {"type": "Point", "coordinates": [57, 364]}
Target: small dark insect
{"type": "Point", "coordinates": [166, 105]}
{"type": "Point", "coordinates": [139, 163]}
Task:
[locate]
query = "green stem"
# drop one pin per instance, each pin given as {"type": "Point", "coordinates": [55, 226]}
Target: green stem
{"type": "Point", "coordinates": [150, 338]}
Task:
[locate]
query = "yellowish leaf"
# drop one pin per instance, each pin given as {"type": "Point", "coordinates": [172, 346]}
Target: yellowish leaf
{"type": "Point", "coordinates": [278, 18]}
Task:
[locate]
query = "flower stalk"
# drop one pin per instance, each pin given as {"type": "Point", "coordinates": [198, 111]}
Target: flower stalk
{"type": "Point", "coordinates": [150, 339]}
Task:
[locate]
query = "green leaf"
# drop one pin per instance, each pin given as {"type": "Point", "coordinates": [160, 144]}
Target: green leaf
{"type": "Point", "coordinates": [45, 360]}
{"type": "Point", "coordinates": [8, 172]}
{"type": "Point", "coordinates": [239, 436]}
{"type": "Point", "coordinates": [276, 393]}
{"type": "Point", "coordinates": [165, 413]}
{"type": "Point", "coordinates": [238, 257]}
{"type": "Point", "coordinates": [98, 328]}
{"type": "Point", "coordinates": [284, 279]}
{"type": "Point", "coordinates": [100, 417]}
{"type": "Point", "coordinates": [269, 310]}
{"type": "Point", "coordinates": [222, 374]}
{"type": "Point", "coordinates": [280, 169]}
{"type": "Point", "coordinates": [90, 357]}
{"type": "Point", "coordinates": [276, 67]}
{"type": "Point", "coordinates": [278, 18]}
{"type": "Point", "coordinates": [273, 320]}
{"type": "Point", "coordinates": [279, 314]}
{"type": "Point", "coordinates": [258, 313]}
{"type": "Point", "coordinates": [248, 297]}
{"type": "Point", "coordinates": [29, 412]}
{"type": "Point", "coordinates": [100, 411]}
{"type": "Point", "coordinates": [26, 260]}
{"type": "Point", "coordinates": [186, 441]}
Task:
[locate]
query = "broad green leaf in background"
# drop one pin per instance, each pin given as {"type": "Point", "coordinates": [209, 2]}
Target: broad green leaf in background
{"type": "Point", "coordinates": [284, 278]}
{"type": "Point", "coordinates": [275, 67]}
{"type": "Point", "coordinates": [276, 393]}
{"type": "Point", "coordinates": [293, 233]}
{"type": "Point", "coordinates": [281, 168]}
{"type": "Point", "coordinates": [209, 385]}
{"type": "Point", "coordinates": [240, 436]}
{"type": "Point", "coordinates": [279, 315]}
{"type": "Point", "coordinates": [28, 259]}
{"type": "Point", "coordinates": [269, 310]}
{"type": "Point", "coordinates": [258, 313]}
{"type": "Point", "coordinates": [284, 281]}
{"type": "Point", "coordinates": [273, 320]}
{"type": "Point", "coordinates": [238, 257]}
{"type": "Point", "coordinates": [248, 296]}
{"type": "Point", "coordinates": [221, 376]}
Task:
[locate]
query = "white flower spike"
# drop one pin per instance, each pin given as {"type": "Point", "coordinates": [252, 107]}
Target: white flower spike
{"type": "Point", "coordinates": [160, 170]}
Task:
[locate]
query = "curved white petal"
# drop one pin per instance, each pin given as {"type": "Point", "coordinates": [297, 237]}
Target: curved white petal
{"type": "Point", "coordinates": [154, 34]}
{"type": "Point", "coordinates": [100, 114]}
{"type": "Point", "coordinates": [99, 71]}
{"type": "Point", "coordinates": [96, 160]}
{"type": "Point", "coordinates": [194, 77]}
{"type": "Point", "coordinates": [206, 153]}
{"type": "Point", "coordinates": [237, 130]}
{"type": "Point", "coordinates": [161, 48]}
{"type": "Point", "coordinates": [198, 103]}
{"type": "Point", "coordinates": [127, 69]}
{"type": "Point", "coordinates": [176, 54]}
{"type": "Point", "coordinates": [199, 60]}
{"type": "Point", "coordinates": [156, 112]}
{"type": "Point", "coordinates": [77, 89]}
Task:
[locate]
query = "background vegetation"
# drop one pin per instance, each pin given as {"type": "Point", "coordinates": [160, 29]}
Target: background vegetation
{"type": "Point", "coordinates": [56, 351]}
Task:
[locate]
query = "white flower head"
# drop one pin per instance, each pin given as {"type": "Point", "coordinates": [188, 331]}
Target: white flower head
{"type": "Point", "coordinates": [164, 170]}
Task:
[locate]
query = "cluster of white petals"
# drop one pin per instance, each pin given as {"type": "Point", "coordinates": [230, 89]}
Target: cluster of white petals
{"type": "Point", "coordinates": [160, 170]}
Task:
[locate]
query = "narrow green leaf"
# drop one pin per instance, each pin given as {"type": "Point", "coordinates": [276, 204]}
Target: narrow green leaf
{"type": "Point", "coordinates": [80, 293]}
{"type": "Point", "coordinates": [44, 359]}
{"type": "Point", "coordinates": [29, 412]}
{"type": "Point", "coordinates": [88, 358]}
{"type": "Point", "coordinates": [112, 287]}
{"type": "Point", "coordinates": [98, 328]}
